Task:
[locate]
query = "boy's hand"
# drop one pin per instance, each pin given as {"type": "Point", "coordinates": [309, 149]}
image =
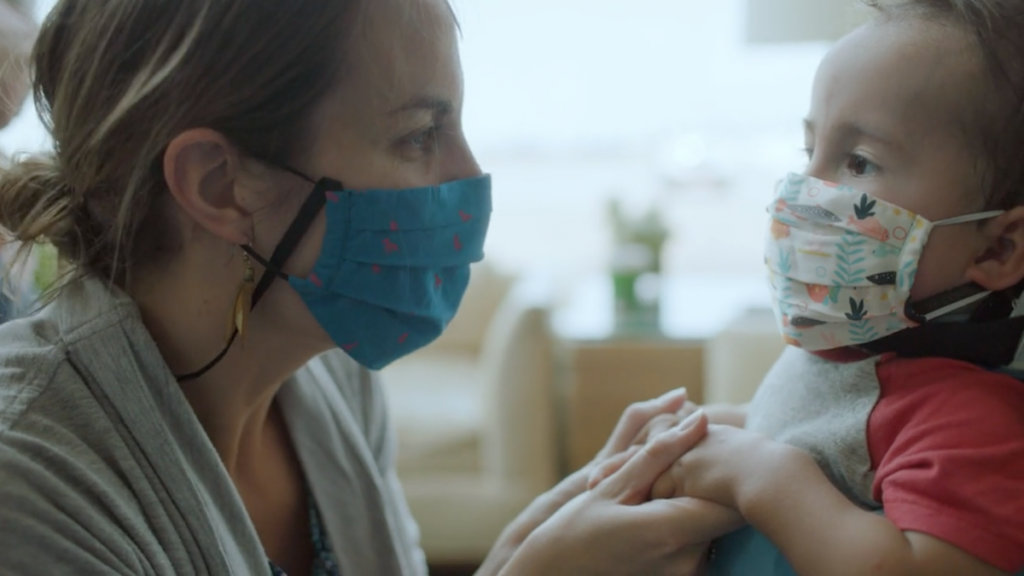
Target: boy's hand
{"type": "Point", "coordinates": [716, 468]}
{"type": "Point", "coordinates": [722, 414]}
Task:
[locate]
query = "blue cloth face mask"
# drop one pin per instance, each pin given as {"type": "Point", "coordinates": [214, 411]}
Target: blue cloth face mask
{"type": "Point", "coordinates": [393, 266]}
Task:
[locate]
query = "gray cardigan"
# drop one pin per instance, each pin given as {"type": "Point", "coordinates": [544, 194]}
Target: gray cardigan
{"type": "Point", "coordinates": [104, 468]}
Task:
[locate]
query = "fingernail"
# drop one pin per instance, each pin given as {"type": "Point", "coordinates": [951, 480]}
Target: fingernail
{"type": "Point", "coordinates": [674, 394]}
{"type": "Point", "coordinates": [691, 420]}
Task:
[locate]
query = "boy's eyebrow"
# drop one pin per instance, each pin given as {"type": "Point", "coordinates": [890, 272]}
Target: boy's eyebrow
{"type": "Point", "coordinates": [438, 106]}
{"type": "Point", "coordinates": [855, 129]}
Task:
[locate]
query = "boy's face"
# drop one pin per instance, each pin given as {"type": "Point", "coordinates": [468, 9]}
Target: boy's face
{"type": "Point", "coordinates": [890, 114]}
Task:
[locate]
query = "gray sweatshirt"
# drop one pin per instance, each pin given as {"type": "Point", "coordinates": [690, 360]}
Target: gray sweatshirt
{"type": "Point", "coordinates": [105, 469]}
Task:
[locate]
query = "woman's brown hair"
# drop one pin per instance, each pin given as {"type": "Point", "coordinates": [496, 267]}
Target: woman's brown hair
{"type": "Point", "coordinates": [115, 82]}
{"type": "Point", "coordinates": [997, 28]}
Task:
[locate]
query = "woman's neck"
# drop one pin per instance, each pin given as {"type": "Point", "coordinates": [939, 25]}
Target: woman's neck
{"type": "Point", "coordinates": [188, 321]}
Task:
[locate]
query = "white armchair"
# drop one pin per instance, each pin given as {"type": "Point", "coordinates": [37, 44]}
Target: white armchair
{"type": "Point", "coordinates": [476, 418]}
{"type": "Point", "coordinates": [739, 357]}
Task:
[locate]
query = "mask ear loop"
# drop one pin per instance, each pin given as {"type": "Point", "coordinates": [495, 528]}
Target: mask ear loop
{"type": "Point", "coordinates": [956, 298]}
{"type": "Point", "coordinates": [312, 207]}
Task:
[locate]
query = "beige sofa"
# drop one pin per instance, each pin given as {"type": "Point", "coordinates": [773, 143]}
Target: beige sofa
{"type": "Point", "coordinates": [475, 418]}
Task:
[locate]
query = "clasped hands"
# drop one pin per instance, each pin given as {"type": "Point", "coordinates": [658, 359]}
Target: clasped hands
{"type": "Point", "coordinates": [711, 470]}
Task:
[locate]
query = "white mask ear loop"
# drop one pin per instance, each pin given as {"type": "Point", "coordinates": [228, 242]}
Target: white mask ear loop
{"type": "Point", "coordinates": [971, 300]}
{"type": "Point", "coordinates": [956, 305]}
{"type": "Point", "coordinates": [969, 218]}
{"type": "Point", "coordinates": [1018, 358]}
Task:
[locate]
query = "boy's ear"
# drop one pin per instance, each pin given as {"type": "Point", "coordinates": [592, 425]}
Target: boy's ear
{"type": "Point", "coordinates": [1001, 265]}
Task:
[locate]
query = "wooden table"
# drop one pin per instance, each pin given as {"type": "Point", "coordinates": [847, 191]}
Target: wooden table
{"type": "Point", "coordinates": [600, 371]}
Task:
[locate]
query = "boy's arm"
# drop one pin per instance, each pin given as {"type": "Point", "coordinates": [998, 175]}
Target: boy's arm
{"type": "Point", "coordinates": [781, 491]}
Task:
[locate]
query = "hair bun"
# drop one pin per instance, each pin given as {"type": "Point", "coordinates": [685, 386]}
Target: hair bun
{"type": "Point", "coordinates": [36, 203]}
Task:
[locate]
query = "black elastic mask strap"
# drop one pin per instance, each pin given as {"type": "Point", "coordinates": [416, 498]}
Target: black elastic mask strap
{"type": "Point", "coordinates": [991, 344]}
{"type": "Point", "coordinates": [919, 311]}
{"type": "Point", "coordinates": [273, 268]}
{"type": "Point", "coordinates": [990, 341]}
{"type": "Point", "coordinates": [310, 209]}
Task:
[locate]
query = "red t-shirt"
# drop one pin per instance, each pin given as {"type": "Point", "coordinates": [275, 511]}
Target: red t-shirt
{"type": "Point", "coordinates": [947, 445]}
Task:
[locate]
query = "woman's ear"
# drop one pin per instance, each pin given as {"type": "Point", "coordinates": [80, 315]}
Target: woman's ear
{"type": "Point", "coordinates": [202, 169]}
{"type": "Point", "coordinates": [1001, 264]}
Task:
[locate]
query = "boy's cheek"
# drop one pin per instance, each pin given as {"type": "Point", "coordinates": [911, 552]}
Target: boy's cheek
{"type": "Point", "coordinates": [944, 263]}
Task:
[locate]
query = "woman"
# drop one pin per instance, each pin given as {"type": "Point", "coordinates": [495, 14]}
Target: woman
{"type": "Point", "coordinates": [302, 161]}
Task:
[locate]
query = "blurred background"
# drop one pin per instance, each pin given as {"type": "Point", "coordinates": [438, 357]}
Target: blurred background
{"type": "Point", "coordinates": [634, 147]}
{"type": "Point", "coordinates": [664, 104]}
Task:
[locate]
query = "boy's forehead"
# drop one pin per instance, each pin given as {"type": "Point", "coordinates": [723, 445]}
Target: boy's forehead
{"type": "Point", "coordinates": [907, 78]}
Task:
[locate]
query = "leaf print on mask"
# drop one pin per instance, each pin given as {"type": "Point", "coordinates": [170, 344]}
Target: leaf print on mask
{"type": "Point", "coordinates": [883, 279]}
{"type": "Point", "coordinates": [785, 262]}
{"type": "Point", "coordinates": [905, 279]}
{"type": "Point", "coordinates": [885, 250]}
{"type": "Point", "coordinates": [862, 332]}
{"type": "Point", "coordinates": [850, 255]}
{"type": "Point", "coordinates": [864, 221]}
{"type": "Point", "coordinates": [856, 312]}
{"type": "Point", "coordinates": [830, 340]}
{"type": "Point", "coordinates": [865, 209]}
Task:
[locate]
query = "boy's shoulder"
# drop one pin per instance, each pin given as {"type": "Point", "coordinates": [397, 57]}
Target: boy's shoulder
{"type": "Point", "coordinates": [945, 381]}
{"type": "Point", "coordinates": [965, 399]}
{"type": "Point", "coordinates": [946, 440]}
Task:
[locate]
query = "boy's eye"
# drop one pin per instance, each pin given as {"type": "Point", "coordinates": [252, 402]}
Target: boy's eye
{"type": "Point", "coordinates": [860, 166]}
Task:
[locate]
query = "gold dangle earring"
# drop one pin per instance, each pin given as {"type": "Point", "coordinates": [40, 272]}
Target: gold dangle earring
{"type": "Point", "coordinates": [243, 300]}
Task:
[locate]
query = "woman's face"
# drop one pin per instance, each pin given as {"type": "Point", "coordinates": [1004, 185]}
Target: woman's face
{"type": "Point", "coordinates": [393, 122]}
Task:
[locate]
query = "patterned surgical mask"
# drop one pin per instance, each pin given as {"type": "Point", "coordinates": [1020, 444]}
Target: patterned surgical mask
{"type": "Point", "coordinates": [841, 264]}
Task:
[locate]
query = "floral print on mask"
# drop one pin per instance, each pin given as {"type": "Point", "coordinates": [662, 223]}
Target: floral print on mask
{"type": "Point", "coordinates": [840, 262]}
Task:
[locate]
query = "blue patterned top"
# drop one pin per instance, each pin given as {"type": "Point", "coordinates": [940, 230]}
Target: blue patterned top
{"type": "Point", "coordinates": [323, 559]}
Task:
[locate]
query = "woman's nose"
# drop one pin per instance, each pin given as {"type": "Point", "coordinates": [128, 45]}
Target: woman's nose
{"type": "Point", "coordinates": [460, 163]}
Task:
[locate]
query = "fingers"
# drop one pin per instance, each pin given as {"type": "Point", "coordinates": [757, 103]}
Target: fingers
{"type": "Point", "coordinates": [689, 521]}
{"type": "Point", "coordinates": [610, 466]}
{"type": "Point", "coordinates": [632, 483]}
{"type": "Point", "coordinates": [663, 422]}
{"type": "Point", "coordinates": [666, 486]}
{"type": "Point", "coordinates": [637, 416]}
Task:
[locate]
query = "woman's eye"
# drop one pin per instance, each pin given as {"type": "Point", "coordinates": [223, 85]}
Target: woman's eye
{"type": "Point", "coordinates": [424, 139]}
{"type": "Point", "coordinates": [808, 152]}
{"type": "Point", "coordinates": [860, 166]}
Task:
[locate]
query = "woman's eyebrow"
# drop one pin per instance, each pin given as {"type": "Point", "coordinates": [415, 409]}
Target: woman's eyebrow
{"type": "Point", "coordinates": [437, 106]}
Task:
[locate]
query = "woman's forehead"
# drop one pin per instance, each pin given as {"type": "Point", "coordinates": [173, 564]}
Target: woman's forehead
{"type": "Point", "coordinates": [404, 50]}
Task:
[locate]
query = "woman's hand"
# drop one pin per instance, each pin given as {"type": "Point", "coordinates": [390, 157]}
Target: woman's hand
{"type": "Point", "coordinates": [725, 414]}
{"type": "Point", "coordinates": [633, 420]}
{"type": "Point", "coordinates": [716, 467]}
{"type": "Point", "coordinates": [614, 529]}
